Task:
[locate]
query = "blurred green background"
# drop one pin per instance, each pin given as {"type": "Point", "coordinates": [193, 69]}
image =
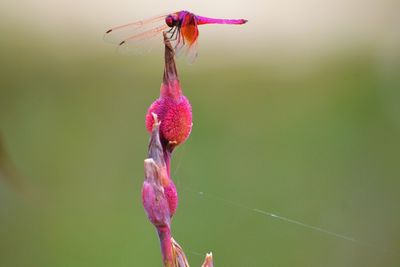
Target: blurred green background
{"type": "Point", "coordinates": [301, 119]}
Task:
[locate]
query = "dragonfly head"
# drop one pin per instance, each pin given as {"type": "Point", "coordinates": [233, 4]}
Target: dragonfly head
{"type": "Point", "coordinates": [170, 20]}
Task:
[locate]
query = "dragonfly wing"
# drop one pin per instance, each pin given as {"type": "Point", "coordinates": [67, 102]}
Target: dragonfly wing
{"type": "Point", "coordinates": [133, 36]}
{"type": "Point", "coordinates": [142, 42]}
{"type": "Point", "coordinates": [191, 52]}
{"type": "Point", "coordinates": [187, 50]}
{"type": "Point", "coordinates": [119, 33]}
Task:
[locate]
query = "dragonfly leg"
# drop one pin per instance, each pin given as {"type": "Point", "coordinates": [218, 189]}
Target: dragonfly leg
{"type": "Point", "coordinates": [171, 34]}
{"type": "Point", "coordinates": [178, 46]}
{"type": "Point", "coordinates": [175, 35]}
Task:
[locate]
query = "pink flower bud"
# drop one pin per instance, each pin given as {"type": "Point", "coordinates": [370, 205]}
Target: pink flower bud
{"type": "Point", "coordinates": [172, 107]}
{"type": "Point", "coordinates": [176, 115]}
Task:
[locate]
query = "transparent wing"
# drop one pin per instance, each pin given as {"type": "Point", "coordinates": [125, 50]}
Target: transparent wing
{"type": "Point", "coordinates": [136, 37]}
{"type": "Point", "coordinates": [118, 34]}
{"type": "Point", "coordinates": [191, 52]}
{"type": "Point", "coordinates": [143, 42]}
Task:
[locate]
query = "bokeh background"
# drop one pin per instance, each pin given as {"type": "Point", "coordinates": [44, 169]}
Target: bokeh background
{"type": "Point", "coordinates": [295, 113]}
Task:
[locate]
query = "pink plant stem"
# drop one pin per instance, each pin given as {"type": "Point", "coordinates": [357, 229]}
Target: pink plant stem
{"type": "Point", "coordinates": [167, 158]}
{"type": "Point", "coordinates": [169, 120]}
{"type": "Point", "coordinates": [164, 234]}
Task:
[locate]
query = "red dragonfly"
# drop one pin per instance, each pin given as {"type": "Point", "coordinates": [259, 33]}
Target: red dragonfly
{"type": "Point", "coordinates": [180, 26]}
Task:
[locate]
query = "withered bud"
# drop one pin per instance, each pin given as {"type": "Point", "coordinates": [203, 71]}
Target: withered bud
{"type": "Point", "coordinates": [208, 261]}
{"type": "Point", "coordinates": [154, 198]}
{"type": "Point", "coordinates": [180, 259]}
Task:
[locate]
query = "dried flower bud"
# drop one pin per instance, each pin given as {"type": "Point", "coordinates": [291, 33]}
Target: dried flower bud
{"type": "Point", "coordinates": [208, 261]}
{"type": "Point", "coordinates": [161, 158]}
{"type": "Point", "coordinates": [179, 256]}
{"type": "Point", "coordinates": [156, 151]}
{"type": "Point", "coordinates": [154, 200]}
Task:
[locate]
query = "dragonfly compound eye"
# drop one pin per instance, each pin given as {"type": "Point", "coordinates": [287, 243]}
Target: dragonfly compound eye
{"type": "Point", "coordinates": [169, 20]}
